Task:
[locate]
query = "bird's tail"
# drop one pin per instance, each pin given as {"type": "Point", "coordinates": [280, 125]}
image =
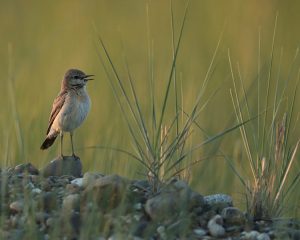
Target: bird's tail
{"type": "Point", "coordinates": [49, 141]}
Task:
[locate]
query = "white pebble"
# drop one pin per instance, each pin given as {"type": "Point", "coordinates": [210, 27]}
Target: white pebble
{"type": "Point", "coordinates": [199, 232]}
{"type": "Point", "coordinates": [215, 228]}
{"type": "Point", "coordinates": [263, 236]}
{"type": "Point", "coordinates": [78, 182]}
{"type": "Point", "coordinates": [36, 190]}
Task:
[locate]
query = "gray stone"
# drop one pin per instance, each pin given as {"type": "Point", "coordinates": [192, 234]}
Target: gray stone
{"type": "Point", "coordinates": [47, 201]}
{"type": "Point", "coordinates": [71, 202]}
{"type": "Point", "coordinates": [36, 191]}
{"type": "Point", "coordinates": [174, 198]}
{"type": "Point", "coordinates": [26, 168]}
{"type": "Point", "coordinates": [215, 227]}
{"type": "Point", "coordinates": [72, 188]}
{"type": "Point", "coordinates": [68, 165]}
{"type": "Point", "coordinates": [50, 222]}
{"type": "Point", "coordinates": [200, 232]}
{"type": "Point", "coordinates": [252, 235]}
{"type": "Point", "coordinates": [17, 206]}
{"type": "Point", "coordinates": [162, 206]}
{"type": "Point", "coordinates": [218, 202]}
{"type": "Point", "coordinates": [233, 216]}
{"type": "Point", "coordinates": [89, 178]}
{"type": "Point", "coordinates": [41, 217]}
{"type": "Point", "coordinates": [162, 232]}
{"type": "Point", "coordinates": [196, 202]}
{"type": "Point", "coordinates": [108, 192]}
{"type": "Point", "coordinates": [263, 236]}
{"type": "Point", "coordinates": [78, 182]}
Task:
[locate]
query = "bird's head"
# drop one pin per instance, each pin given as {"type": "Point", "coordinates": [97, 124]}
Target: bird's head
{"type": "Point", "coordinates": [75, 78]}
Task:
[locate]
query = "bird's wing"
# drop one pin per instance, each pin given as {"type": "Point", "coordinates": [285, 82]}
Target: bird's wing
{"type": "Point", "coordinates": [56, 107]}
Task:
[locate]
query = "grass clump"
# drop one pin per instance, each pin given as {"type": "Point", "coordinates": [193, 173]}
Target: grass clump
{"type": "Point", "coordinates": [268, 142]}
{"type": "Point", "coordinates": [162, 144]}
{"type": "Point", "coordinates": [159, 146]}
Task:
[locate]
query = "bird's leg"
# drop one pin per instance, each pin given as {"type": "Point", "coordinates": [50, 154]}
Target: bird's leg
{"type": "Point", "coordinates": [61, 144]}
{"type": "Point", "coordinates": [71, 136]}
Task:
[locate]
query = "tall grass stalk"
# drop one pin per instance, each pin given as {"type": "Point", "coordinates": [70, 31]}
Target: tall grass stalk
{"type": "Point", "coordinates": [13, 104]}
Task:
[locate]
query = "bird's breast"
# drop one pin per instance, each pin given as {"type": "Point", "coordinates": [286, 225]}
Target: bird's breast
{"type": "Point", "coordinates": [74, 111]}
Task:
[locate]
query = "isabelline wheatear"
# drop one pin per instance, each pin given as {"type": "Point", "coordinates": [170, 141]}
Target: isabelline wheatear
{"type": "Point", "coordinates": [69, 109]}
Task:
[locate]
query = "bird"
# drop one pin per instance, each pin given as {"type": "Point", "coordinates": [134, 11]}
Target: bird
{"type": "Point", "coordinates": [69, 109]}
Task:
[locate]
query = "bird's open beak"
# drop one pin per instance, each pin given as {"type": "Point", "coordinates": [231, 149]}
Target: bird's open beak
{"type": "Point", "coordinates": [87, 77]}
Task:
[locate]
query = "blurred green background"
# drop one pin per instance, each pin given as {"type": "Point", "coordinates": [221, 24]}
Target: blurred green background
{"type": "Point", "coordinates": [40, 40]}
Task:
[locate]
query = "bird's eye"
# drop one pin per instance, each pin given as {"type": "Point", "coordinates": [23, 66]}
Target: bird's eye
{"type": "Point", "coordinates": [76, 77]}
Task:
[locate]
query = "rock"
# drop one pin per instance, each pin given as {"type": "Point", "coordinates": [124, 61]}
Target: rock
{"type": "Point", "coordinates": [72, 188]}
{"type": "Point", "coordinates": [141, 184]}
{"type": "Point", "coordinates": [234, 229]}
{"type": "Point", "coordinates": [252, 235]}
{"type": "Point", "coordinates": [263, 236]}
{"type": "Point", "coordinates": [175, 198]}
{"type": "Point", "coordinates": [16, 234]}
{"type": "Point", "coordinates": [26, 168]}
{"type": "Point", "coordinates": [17, 206]}
{"type": "Point", "coordinates": [41, 217]}
{"type": "Point", "coordinates": [295, 234]}
{"type": "Point", "coordinates": [162, 206]}
{"type": "Point", "coordinates": [215, 227]}
{"type": "Point", "coordinates": [196, 202]}
{"type": "Point", "coordinates": [78, 182]}
{"type": "Point", "coordinates": [36, 191]}
{"type": "Point", "coordinates": [68, 165]}
{"type": "Point", "coordinates": [162, 232]}
{"type": "Point", "coordinates": [90, 178]}
{"type": "Point", "coordinates": [48, 201]}
{"type": "Point", "coordinates": [45, 185]}
{"type": "Point", "coordinates": [199, 232]}
{"type": "Point", "coordinates": [218, 202]}
{"type": "Point", "coordinates": [140, 228]}
{"type": "Point", "coordinates": [50, 222]}
{"type": "Point", "coordinates": [179, 228]}
{"type": "Point", "coordinates": [75, 223]}
{"type": "Point", "coordinates": [233, 216]}
{"type": "Point", "coordinates": [108, 192]}
{"type": "Point", "coordinates": [71, 202]}
{"type": "Point", "coordinates": [71, 223]}
{"type": "Point", "coordinates": [138, 206]}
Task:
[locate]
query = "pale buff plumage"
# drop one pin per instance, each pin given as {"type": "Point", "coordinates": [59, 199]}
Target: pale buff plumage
{"type": "Point", "coordinates": [70, 107]}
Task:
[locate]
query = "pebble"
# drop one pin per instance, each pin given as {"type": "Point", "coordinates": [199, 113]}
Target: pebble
{"type": "Point", "coordinates": [27, 168]}
{"type": "Point", "coordinates": [58, 203]}
{"type": "Point", "coordinates": [252, 235]}
{"type": "Point", "coordinates": [263, 236]}
{"type": "Point", "coordinates": [215, 227]}
{"type": "Point", "coordinates": [138, 206]}
{"type": "Point", "coordinates": [89, 178]}
{"type": "Point", "coordinates": [113, 186]}
{"type": "Point", "coordinates": [200, 232]}
{"type": "Point", "coordinates": [50, 222]}
{"type": "Point", "coordinates": [68, 165]}
{"type": "Point", "coordinates": [17, 206]}
{"type": "Point", "coordinates": [233, 216]}
{"type": "Point", "coordinates": [36, 191]}
{"type": "Point", "coordinates": [218, 202]}
{"type": "Point", "coordinates": [71, 202]}
{"type": "Point", "coordinates": [162, 232]}
{"type": "Point", "coordinates": [78, 182]}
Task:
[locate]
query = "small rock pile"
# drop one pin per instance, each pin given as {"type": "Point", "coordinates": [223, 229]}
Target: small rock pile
{"type": "Point", "coordinates": [41, 205]}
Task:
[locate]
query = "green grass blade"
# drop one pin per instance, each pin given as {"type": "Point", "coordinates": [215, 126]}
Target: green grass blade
{"type": "Point", "coordinates": [268, 85]}
{"type": "Point", "coordinates": [166, 95]}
